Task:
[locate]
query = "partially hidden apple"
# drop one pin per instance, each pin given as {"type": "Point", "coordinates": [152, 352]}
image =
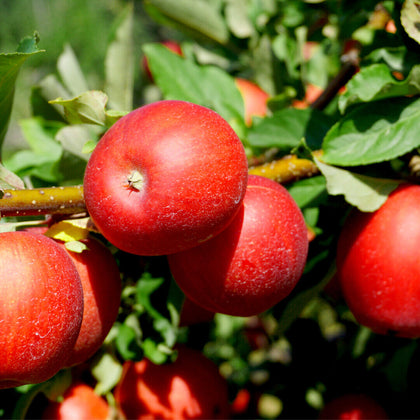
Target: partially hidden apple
{"type": "Point", "coordinates": [79, 402]}
{"type": "Point", "coordinates": [41, 308]}
{"type": "Point", "coordinates": [255, 262]}
{"type": "Point", "coordinates": [378, 264]}
{"type": "Point", "coordinates": [255, 99]}
{"type": "Point", "coordinates": [191, 387]}
{"type": "Point", "coordinates": [101, 284]}
{"type": "Point", "coordinates": [165, 177]}
{"type": "Point", "coordinates": [353, 407]}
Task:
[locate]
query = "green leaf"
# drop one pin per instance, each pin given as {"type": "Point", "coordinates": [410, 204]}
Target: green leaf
{"type": "Point", "coordinates": [181, 79]}
{"type": "Point", "coordinates": [146, 286]}
{"type": "Point", "coordinates": [286, 128]}
{"type": "Point", "coordinates": [238, 20]}
{"type": "Point", "coordinates": [9, 180]}
{"type": "Point", "coordinates": [410, 18]}
{"type": "Point", "coordinates": [119, 63]}
{"type": "Point", "coordinates": [309, 192]}
{"type": "Point", "coordinates": [376, 82]}
{"type": "Point", "coordinates": [87, 108]}
{"type": "Point", "coordinates": [198, 16]}
{"type": "Point", "coordinates": [70, 72]}
{"type": "Point", "coordinates": [128, 344]}
{"type": "Point", "coordinates": [10, 65]}
{"type": "Point", "coordinates": [364, 192]}
{"type": "Point", "coordinates": [374, 132]}
{"type": "Point", "coordinates": [44, 153]}
{"type": "Point", "coordinates": [107, 371]}
{"type": "Point", "coordinates": [397, 58]}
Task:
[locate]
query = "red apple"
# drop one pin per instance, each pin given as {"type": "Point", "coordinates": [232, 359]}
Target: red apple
{"type": "Point", "coordinates": [171, 45]}
{"type": "Point", "coordinates": [255, 99]}
{"type": "Point", "coordinates": [80, 402]}
{"type": "Point", "coordinates": [353, 407]}
{"type": "Point", "coordinates": [165, 177]}
{"type": "Point", "coordinates": [378, 264]}
{"type": "Point", "coordinates": [255, 262]}
{"type": "Point", "coordinates": [101, 283]}
{"type": "Point", "coordinates": [41, 308]}
{"type": "Point", "coordinates": [189, 388]}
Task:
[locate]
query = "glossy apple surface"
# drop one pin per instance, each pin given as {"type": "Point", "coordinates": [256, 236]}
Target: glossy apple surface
{"type": "Point", "coordinates": [101, 284]}
{"type": "Point", "coordinates": [378, 264]}
{"type": "Point", "coordinates": [41, 308]}
{"type": "Point", "coordinates": [353, 407]}
{"type": "Point", "coordinates": [165, 177]}
{"type": "Point", "coordinates": [79, 402]}
{"type": "Point", "coordinates": [255, 262]}
{"type": "Point", "coordinates": [189, 388]}
{"type": "Point", "coordinates": [255, 99]}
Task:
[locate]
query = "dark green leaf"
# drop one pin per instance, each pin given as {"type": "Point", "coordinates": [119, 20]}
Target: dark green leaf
{"type": "Point", "coordinates": [209, 86]}
{"type": "Point", "coordinates": [127, 343]}
{"type": "Point", "coordinates": [374, 132]}
{"type": "Point", "coordinates": [286, 128]}
{"type": "Point", "coordinates": [146, 286]}
{"type": "Point", "coordinates": [377, 82]}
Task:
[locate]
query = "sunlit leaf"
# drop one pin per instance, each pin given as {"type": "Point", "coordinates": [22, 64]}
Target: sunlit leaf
{"type": "Point", "coordinates": [410, 18]}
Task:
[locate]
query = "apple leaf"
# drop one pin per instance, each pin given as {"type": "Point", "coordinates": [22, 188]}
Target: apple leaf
{"type": "Point", "coordinates": [181, 79]}
{"type": "Point", "coordinates": [9, 180]}
{"type": "Point", "coordinates": [10, 65]}
{"type": "Point", "coordinates": [410, 18]}
{"type": "Point", "coordinates": [70, 72]}
{"type": "Point", "coordinates": [69, 231]}
{"type": "Point", "coordinates": [107, 371]}
{"type": "Point", "coordinates": [286, 128]}
{"type": "Point", "coordinates": [238, 20]}
{"type": "Point", "coordinates": [374, 132]}
{"type": "Point", "coordinates": [309, 192]}
{"type": "Point", "coordinates": [364, 192]}
{"type": "Point", "coordinates": [119, 63]}
{"type": "Point", "coordinates": [198, 16]}
{"type": "Point", "coordinates": [377, 82]}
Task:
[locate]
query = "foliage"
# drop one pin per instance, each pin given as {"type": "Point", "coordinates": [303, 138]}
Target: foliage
{"type": "Point", "coordinates": [309, 347]}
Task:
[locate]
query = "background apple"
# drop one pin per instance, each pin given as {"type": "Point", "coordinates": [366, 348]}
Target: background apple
{"type": "Point", "coordinates": [353, 407]}
{"type": "Point", "coordinates": [188, 388]}
{"type": "Point", "coordinates": [165, 177]}
{"type": "Point", "coordinates": [255, 262]}
{"type": "Point", "coordinates": [255, 99]}
{"type": "Point", "coordinates": [378, 265]}
{"type": "Point", "coordinates": [41, 308]}
{"type": "Point", "coordinates": [78, 402]}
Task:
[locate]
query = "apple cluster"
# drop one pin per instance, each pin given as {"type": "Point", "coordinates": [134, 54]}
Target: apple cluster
{"type": "Point", "coordinates": [169, 178]}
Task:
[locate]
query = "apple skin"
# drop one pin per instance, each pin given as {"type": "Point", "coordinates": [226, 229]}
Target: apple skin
{"type": "Point", "coordinates": [101, 284]}
{"type": "Point", "coordinates": [193, 172]}
{"type": "Point", "coordinates": [41, 308]}
{"type": "Point", "coordinates": [171, 45]}
{"type": "Point", "coordinates": [188, 388]}
{"type": "Point", "coordinates": [255, 99]}
{"type": "Point", "coordinates": [378, 266]}
{"type": "Point", "coordinates": [79, 402]}
{"type": "Point", "coordinates": [192, 314]}
{"type": "Point", "coordinates": [353, 407]}
{"type": "Point", "coordinates": [255, 262]}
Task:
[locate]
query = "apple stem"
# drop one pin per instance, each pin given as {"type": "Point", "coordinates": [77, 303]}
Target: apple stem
{"type": "Point", "coordinates": [41, 201]}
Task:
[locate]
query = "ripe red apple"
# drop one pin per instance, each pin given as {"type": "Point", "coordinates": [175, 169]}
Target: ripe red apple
{"type": "Point", "coordinates": [79, 402]}
{"type": "Point", "coordinates": [189, 388]}
{"type": "Point", "coordinates": [378, 264]}
{"type": "Point", "coordinates": [255, 262]}
{"type": "Point", "coordinates": [101, 284]}
{"type": "Point", "coordinates": [191, 314]}
{"type": "Point", "coordinates": [353, 407]}
{"type": "Point", "coordinates": [41, 308]}
{"type": "Point", "coordinates": [165, 177]}
{"type": "Point", "coordinates": [255, 99]}
{"type": "Point", "coordinates": [171, 45]}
